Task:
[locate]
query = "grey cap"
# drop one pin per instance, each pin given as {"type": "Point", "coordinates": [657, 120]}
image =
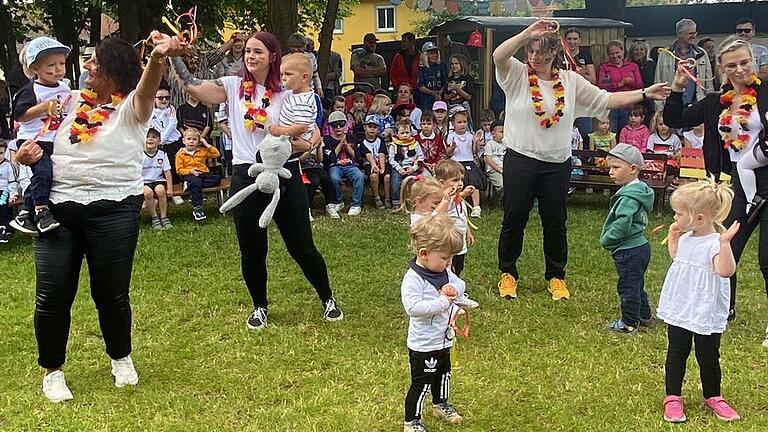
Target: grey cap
{"type": "Point", "coordinates": [629, 154]}
{"type": "Point", "coordinates": [428, 46]}
{"type": "Point", "coordinates": [43, 45]}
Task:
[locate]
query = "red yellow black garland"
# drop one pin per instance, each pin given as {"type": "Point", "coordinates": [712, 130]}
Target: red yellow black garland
{"type": "Point", "coordinates": [90, 116]}
{"type": "Point", "coordinates": [537, 98]}
{"type": "Point", "coordinates": [737, 139]}
{"type": "Point", "coordinates": [254, 117]}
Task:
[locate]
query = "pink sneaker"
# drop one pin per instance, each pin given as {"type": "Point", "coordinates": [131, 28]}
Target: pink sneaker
{"type": "Point", "coordinates": [673, 409]}
{"type": "Point", "coordinates": [722, 410]}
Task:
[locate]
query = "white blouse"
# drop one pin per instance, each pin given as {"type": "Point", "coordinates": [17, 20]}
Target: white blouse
{"type": "Point", "coordinates": [108, 167]}
{"type": "Point", "coordinates": [522, 132]}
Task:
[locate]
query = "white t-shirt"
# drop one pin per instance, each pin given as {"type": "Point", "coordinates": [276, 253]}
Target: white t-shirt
{"type": "Point", "coordinates": [458, 214]}
{"type": "Point", "coordinates": [299, 108]}
{"type": "Point", "coordinates": [246, 143]}
{"type": "Point", "coordinates": [108, 167]}
{"type": "Point", "coordinates": [463, 152]}
{"type": "Point", "coordinates": [696, 142]}
{"type": "Point", "coordinates": [669, 146]}
{"type": "Point", "coordinates": [496, 151]}
{"type": "Point", "coordinates": [694, 296]}
{"type": "Point", "coordinates": [154, 167]}
{"type": "Point", "coordinates": [522, 132]}
{"type": "Point", "coordinates": [31, 95]}
{"type": "Point", "coordinates": [221, 117]}
{"type": "Point", "coordinates": [165, 121]}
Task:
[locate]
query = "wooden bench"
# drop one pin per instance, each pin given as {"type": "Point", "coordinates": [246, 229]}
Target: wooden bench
{"type": "Point", "coordinates": [593, 172]}
{"type": "Point", "coordinates": [219, 190]}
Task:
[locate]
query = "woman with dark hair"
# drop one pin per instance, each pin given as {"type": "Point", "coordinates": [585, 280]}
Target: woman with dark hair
{"type": "Point", "coordinates": [259, 85]}
{"type": "Point", "coordinates": [96, 195]}
{"type": "Point", "coordinates": [618, 75]}
{"type": "Point", "coordinates": [542, 102]}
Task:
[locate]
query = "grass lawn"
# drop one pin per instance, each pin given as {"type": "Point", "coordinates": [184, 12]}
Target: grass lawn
{"type": "Point", "coordinates": [531, 364]}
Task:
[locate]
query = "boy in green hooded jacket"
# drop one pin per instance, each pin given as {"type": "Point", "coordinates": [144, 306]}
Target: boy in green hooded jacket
{"type": "Point", "coordinates": [623, 236]}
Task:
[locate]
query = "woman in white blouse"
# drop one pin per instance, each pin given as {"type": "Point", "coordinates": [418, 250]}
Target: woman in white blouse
{"type": "Point", "coordinates": [96, 195]}
{"type": "Point", "coordinates": [542, 102]}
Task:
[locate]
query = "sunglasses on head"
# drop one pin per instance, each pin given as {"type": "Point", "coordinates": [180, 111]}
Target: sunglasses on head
{"type": "Point", "coordinates": [338, 124]}
{"type": "Point", "coordinates": [163, 97]}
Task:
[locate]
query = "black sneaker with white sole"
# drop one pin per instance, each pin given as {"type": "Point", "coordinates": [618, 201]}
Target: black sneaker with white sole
{"type": "Point", "coordinates": [332, 311]}
{"type": "Point", "coordinates": [45, 221]}
{"type": "Point", "coordinates": [3, 234]}
{"type": "Point", "coordinates": [23, 223]}
{"type": "Point", "coordinates": [198, 213]}
{"type": "Point", "coordinates": [257, 320]}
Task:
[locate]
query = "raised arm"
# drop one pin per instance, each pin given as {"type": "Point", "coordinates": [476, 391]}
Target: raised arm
{"type": "Point", "coordinates": [678, 115]}
{"type": "Point", "coordinates": [144, 100]}
{"type": "Point", "coordinates": [207, 92]}
{"type": "Point", "coordinates": [658, 91]}
{"type": "Point", "coordinates": [503, 53]}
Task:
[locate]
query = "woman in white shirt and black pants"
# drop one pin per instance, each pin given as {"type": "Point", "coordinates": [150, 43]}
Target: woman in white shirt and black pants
{"type": "Point", "coordinates": [542, 102]}
{"type": "Point", "coordinates": [262, 69]}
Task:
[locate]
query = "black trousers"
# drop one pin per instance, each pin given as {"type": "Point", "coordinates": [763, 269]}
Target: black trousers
{"type": "Point", "coordinates": [40, 184]}
{"type": "Point", "coordinates": [318, 178]}
{"type": "Point", "coordinates": [707, 356]}
{"type": "Point", "coordinates": [430, 372]}
{"type": "Point", "coordinates": [739, 213]}
{"type": "Point", "coordinates": [195, 185]}
{"type": "Point", "coordinates": [457, 264]}
{"type": "Point", "coordinates": [291, 218]}
{"type": "Point", "coordinates": [526, 178]}
{"type": "Point", "coordinates": [105, 233]}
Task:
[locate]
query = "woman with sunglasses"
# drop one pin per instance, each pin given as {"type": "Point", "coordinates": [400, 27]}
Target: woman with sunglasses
{"type": "Point", "coordinates": [735, 127]}
{"type": "Point", "coordinates": [258, 87]}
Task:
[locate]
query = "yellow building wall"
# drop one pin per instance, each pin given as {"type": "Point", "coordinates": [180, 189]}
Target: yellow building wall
{"type": "Point", "coordinates": [362, 20]}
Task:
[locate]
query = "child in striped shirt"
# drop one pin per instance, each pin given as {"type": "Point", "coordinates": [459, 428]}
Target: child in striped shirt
{"type": "Point", "coordinates": [299, 110]}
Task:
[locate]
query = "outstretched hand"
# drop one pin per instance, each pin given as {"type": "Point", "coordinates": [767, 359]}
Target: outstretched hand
{"type": "Point", "coordinates": [167, 46]}
{"type": "Point", "coordinates": [726, 236]}
{"type": "Point", "coordinates": [658, 91]}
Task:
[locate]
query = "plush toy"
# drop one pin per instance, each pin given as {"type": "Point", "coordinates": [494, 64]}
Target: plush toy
{"type": "Point", "coordinates": [274, 152]}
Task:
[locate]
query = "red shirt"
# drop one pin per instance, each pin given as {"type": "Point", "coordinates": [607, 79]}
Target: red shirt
{"type": "Point", "coordinates": [433, 148]}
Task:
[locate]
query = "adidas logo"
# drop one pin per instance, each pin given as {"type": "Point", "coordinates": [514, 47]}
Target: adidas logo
{"type": "Point", "coordinates": [431, 365]}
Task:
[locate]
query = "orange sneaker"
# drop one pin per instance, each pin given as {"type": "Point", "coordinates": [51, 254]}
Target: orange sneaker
{"type": "Point", "coordinates": [558, 289]}
{"type": "Point", "coordinates": [507, 286]}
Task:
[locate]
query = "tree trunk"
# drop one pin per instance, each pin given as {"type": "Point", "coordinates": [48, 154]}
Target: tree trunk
{"type": "Point", "coordinates": [326, 39]}
{"type": "Point", "coordinates": [9, 57]}
{"type": "Point", "coordinates": [94, 21]}
{"type": "Point", "coordinates": [128, 17]}
{"type": "Point", "coordinates": [613, 9]}
{"type": "Point", "coordinates": [282, 19]}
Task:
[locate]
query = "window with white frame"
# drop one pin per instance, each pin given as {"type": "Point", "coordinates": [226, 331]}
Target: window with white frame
{"type": "Point", "coordinates": [385, 19]}
{"type": "Point", "coordinates": [338, 26]}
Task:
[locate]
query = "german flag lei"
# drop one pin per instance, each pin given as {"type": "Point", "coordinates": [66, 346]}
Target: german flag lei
{"type": "Point", "coordinates": [254, 117]}
{"type": "Point", "coordinates": [537, 98]}
{"type": "Point", "coordinates": [90, 116]}
{"type": "Point", "coordinates": [737, 139]}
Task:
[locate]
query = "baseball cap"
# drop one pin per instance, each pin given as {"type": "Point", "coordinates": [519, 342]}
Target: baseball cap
{"type": "Point", "coordinates": [629, 154]}
{"type": "Point", "coordinates": [42, 45]}
{"type": "Point", "coordinates": [457, 109]}
{"type": "Point", "coordinates": [439, 105]}
{"type": "Point", "coordinates": [371, 119]}
{"type": "Point", "coordinates": [337, 116]}
{"type": "Point", "coordinates": [428, 46]}
{"type": "Point", "coordinates": [370, 36]}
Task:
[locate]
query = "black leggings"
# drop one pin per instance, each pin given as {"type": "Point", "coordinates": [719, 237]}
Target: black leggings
{"type": "Point", "coordinates": [707, 356]}
{"type": "Point", "coordinates": [457, 264]}
{"type": "Point", "coordinates": [105, 233]}
{"type": "Point", "coordinates": [318, 178]}
{"type": "Point", "coordinates": [291, 218]}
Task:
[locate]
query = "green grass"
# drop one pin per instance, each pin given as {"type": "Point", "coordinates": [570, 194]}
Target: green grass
{"type": "Point", "coordinates": [531, 364]}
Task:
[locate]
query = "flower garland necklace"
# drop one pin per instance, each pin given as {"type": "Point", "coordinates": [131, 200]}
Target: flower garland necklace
{"type": "Point", "coordinates": [254, 117]}
{"type": "Point", "coordinates": [538, 100]}
{"type": "Point", "coordinates": [737, 139]}
{"type": "Point", "coordinates": [90, 116]}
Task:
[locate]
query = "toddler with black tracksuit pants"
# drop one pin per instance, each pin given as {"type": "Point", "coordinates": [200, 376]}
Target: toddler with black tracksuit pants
{"type": "Point", "coordinates": [428, 291]}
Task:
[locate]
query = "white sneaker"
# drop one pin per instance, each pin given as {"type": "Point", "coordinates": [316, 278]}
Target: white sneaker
{"type": "Point", "coordinates": [55, 387]}
{"type": "Point", "coordinates": [332, 211]}
{"type": "Point", "coordinates": [354, 211]}
{"type": "Point", "coordinates": [765, 341]}
{"type": "Point", "coordinates": [124, 372]}
{"type": "Point", "coordinates": [178, 200]}
{"type": "Point", "coordinates": [311, 219]}
{"type": "Point", "coordinates": [475, 212]}
{"type": "Point", "coordinates": [339, 206]}
{"type": "Point", "coordinates": [464, 300]}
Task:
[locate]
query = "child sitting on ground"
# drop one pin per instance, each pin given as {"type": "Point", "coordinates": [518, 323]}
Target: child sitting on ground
{"type": "Point", "coordinates": [405, 157]}
{"type": "Point", "coordinates": [39, 108]}
{"type": "Point", "coordinates": [695, 296]}
{"type": "Point", "coordinates": [494, 157]}
{"type": "Point", "coordinates": [428, 292]}
{"type": "Point", "coordinates": [431, 142]}
{"type": "Point", "coordinates": [602, 138]}
{"type": "Point", "coordinates": [636, 133]}
{"type": "Point", "coordinates": [451, 175]}
{"type": "Point", "coordinates": [191, 167]}
{"type": "Point", "coordinates": [156, 171]}
{"type": "Point", "coordinates": [623, 236]}
{"type": "Point", "coordinates": [374, 154]}
{"type": "Point", "coordinates": [459, 147]}
{"type": "Point", "coordinates": [7, 191]}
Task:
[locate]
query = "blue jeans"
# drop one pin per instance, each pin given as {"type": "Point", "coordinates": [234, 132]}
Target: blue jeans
{"type": "Point", "coordinates": [619, 118]}
{"type": "Point", "coordinates": [354, 175]}
{"type": "Point", "coordinates": [396, 180]}
{"type": "Point", "coordinates": [40, 184]}
{"type": "Point", "coordinates": [631, 265]}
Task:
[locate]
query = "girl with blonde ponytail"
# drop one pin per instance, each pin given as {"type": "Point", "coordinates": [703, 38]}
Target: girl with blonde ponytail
{"type": "Point", "coordinates": [696, 294]}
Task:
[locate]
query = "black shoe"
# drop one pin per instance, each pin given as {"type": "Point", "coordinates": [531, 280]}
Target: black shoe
{"type": "Point", "coordinates": [648, 323]}
{"type": "Point", "coordinates": [257, 320]}
{"type": "Point", "coordinates": [754, 209]}
{"type": "Point", "coordinates": [45, 221]}
{"type": "Point", "coordinates": [731, 314]}
{"type": "Point", "coordinates": [198, 213]}
{"type": "Point", "coordinates": [3, 235]}
{"type": "Point", "coordinates": [332, 311]}
{"type": "Point", "coordinates": [23, 224]}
